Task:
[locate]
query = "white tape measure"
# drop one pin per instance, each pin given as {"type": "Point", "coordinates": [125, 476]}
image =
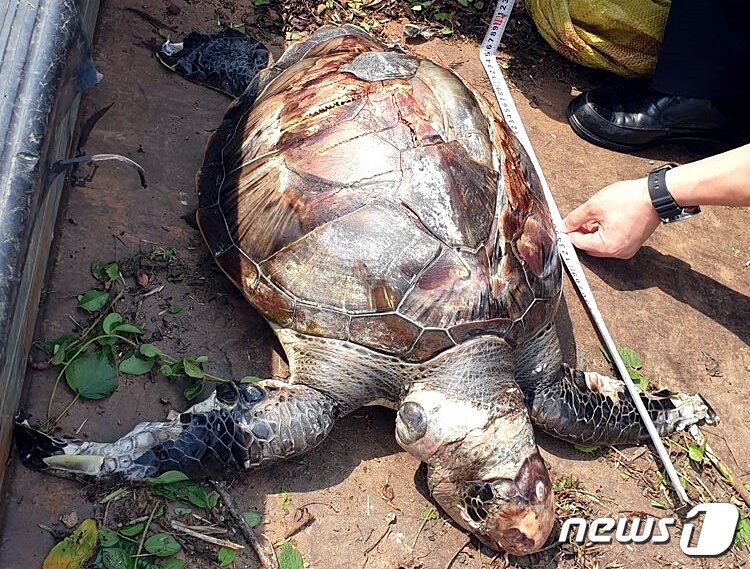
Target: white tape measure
{"type": "Point", "coordinates": [487, 56]}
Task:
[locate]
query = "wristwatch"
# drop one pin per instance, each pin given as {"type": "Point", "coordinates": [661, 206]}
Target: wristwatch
{"type": "Point", "coordinates": [669, 210]}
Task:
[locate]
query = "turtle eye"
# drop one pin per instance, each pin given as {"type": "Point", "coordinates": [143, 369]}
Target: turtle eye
{"type": "Point", "coordinates": [414, 422]}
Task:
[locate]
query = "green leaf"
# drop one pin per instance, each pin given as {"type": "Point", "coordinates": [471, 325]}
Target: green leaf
{"type": "Point", "coordinates": [212, 499]}
{"type": "Point", "coordinates": [93, 376]}
{"type": "Point", "coordinates": [149, 350]}
{"type": "Point", "coordinates": [162, 545]}
{"type": "Point", "coordinates": [586, 448]}
{"type": "Point", "coordinates": [114, 495]}
{"type": "Point", "coordinates": [173, 564]}
{"type": "Point", "coordinates": [116, 558]}
{"type": "Point", "coordinates": [565, 481]}
{"type": "Point", "coordinates": [252, 518]}
{"type": "Point", "coordinates": [129, 328]}
{"type": "Point", "coordinates": [168, 477]}
{"type": "Point", "coordinates": [178, 278]}
{"type": "Point", "coordinates": [57, 348]}
{"type": "Point", "coordinates": [107, 341]}
{"type": "Point", "coordinates": [166, 253]}
{"type": "Point", "coordinates": [107, 538]}
{"type": "Point", "coordinates": [197, 496]}
{"type": "Point", "coordinates": [133, 365]}
{"type": "Point", "coordinates": [58, 358]}
{"type": "Point", "coordinates": [250, 379]}
{"type": "Point", "coordinates": [629, 357]}
{"type": "Point", "coordinates": [743, 531]}
{"type": "Point", "coordinates": [200, 359]}
{"type": "Point", "coordinates": [640, 381]}
{"type": "Point", "coordinates": [226, 556]}
{"type": "Point", "coordinates": [168, 491]}
{"type": "Point", "coordinates": [174, 309]}
{"type": "Point", "coordinates": [193, 391]}
{"type": "Point", "coordinates": [73, 551]}
{"type": "Point", "coordinates": [185, 490]}
{"type": "Point", "coordinates": [104, 272]}
{"type": "Point", "coordinates": [110, 321]}
{"type": "Point", "coordinates": [192, 370]}
{"type": "Point", "coordinates": [133, 530]}
{"type": "Point", "coordinates": [429, 514]}
{"type": "Point", "coordinates": [97, 271]}
{"type": "Point", "coordinates": [657, 504]}
{"type": "Point", "coordinates": [166, 370]}
{"type": "Point", "coordinates": [624, 475]}
{"type": "Point", "coordinates": [289, 557]}
{"type": "Point", "coordinates": [93, 300]}
{"type": "Point", "coordinates": [697, 453]}
{"type": "Point", "coordinates": [112, 270]}
{"type": "Point", "coordinates": [286, 499]}
{"type": "Point", "coordinates": [182, 511]}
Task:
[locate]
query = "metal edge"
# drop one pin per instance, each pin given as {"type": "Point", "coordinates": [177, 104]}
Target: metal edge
{"type": "Point", "coordinates": [45, 64]}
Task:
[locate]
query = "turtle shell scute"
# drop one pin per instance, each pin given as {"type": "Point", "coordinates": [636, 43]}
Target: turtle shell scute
{"type": "Point", "coordinates": [367, 196]}
{"type": "Point", "coordinates": [391, 333]}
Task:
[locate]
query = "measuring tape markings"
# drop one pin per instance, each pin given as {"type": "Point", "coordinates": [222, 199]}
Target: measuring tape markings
{"type": "Point", "coordinates": [487, 56]}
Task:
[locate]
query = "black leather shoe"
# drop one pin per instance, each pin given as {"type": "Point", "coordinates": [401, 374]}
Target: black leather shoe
{"type": "Point", "coordinates": [629, 117]}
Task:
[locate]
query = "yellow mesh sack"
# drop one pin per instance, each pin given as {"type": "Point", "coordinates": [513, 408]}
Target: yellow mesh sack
{"type": "Point", "coordinates": [621, 36]}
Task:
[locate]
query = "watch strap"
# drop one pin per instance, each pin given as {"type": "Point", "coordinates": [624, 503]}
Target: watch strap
{"type": "Point", "coordinates": [665, 205]}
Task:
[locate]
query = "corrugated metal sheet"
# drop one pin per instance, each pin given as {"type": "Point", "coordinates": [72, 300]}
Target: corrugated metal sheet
{"type": "Point", "coordinates": [45, 64]}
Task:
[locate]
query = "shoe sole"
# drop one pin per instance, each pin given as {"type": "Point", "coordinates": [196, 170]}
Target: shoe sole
{"type": "Point", "coordinates": [588, 136]}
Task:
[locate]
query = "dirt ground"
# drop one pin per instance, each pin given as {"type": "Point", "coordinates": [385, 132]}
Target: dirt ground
{"type": "Point", "coordinates": [683, 304]}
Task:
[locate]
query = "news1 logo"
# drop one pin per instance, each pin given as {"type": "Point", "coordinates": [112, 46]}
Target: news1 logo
{"type": "Point", "coordinates": [714, 537]}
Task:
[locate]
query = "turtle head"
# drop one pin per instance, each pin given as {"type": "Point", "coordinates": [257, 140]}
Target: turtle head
{"type": "Point", "coordinates": [483, 466]}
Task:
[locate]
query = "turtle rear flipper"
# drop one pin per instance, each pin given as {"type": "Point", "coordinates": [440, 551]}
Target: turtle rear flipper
{"type": "Point", "coordinates": [226, 61]}
{"type": "Point", "coordinates": [589, 408]}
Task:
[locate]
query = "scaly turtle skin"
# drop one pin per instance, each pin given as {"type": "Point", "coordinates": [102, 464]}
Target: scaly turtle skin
{"type": "Point", "coordinates": [389, 226]}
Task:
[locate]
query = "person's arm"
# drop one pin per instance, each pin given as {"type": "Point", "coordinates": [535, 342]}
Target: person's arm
{"type": "Point", "coordinates": [619, 218]}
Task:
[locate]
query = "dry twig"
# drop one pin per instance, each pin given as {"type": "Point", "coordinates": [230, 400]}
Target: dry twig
{"type": "Point", "coordinates": [390, 519]}
{"type": "Point", "coordinates": [455, 555]}
{"type": "Point", "coordinates": [266, 561]}
{"type": "Point", "coordinates": [203, 537]}
{"type": "Point", "coordinates": [720, 465]}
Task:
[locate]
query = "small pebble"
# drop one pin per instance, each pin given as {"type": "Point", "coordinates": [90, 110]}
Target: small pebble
{"type": "Point", "coordinates": [173, 10]}
{"type": "Point", "coordinates": [70, 520]}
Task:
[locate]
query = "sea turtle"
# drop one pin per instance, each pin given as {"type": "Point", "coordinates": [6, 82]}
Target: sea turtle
{"type": "Point", "coordinates": [389, 226]}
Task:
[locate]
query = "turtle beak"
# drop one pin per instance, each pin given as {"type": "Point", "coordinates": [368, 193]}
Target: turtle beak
{"type": "Point", "coordinates": [514, 515]}
{"type": "Point", "coordinates": [526, 512]}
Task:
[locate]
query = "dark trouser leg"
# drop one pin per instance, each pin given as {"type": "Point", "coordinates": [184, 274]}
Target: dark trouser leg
{"type": "Point", "coordinates": [705, 51]}
{"type": "Point", "coordinates": [699, 91]}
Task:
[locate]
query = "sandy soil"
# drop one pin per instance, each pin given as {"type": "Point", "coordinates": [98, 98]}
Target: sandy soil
{"type": "Point", "coordinates": [681, 303]}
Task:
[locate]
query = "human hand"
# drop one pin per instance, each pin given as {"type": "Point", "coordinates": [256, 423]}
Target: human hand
{"type": "Point", "coordinates": [615, 221]}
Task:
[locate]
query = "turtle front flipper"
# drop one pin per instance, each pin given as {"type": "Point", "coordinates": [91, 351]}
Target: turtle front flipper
{"type": "Point", "coordinates": [586, 407]}
{"type": "Point", "coordinates": [237, 428]}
